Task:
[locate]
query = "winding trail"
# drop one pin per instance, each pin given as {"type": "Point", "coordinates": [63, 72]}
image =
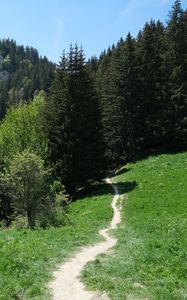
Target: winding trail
{"type": "Point", "coordinates": [66, 284]}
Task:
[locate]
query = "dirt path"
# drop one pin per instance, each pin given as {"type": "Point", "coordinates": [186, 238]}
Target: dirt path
{"type": "Point", "coordinates": [66, 284]}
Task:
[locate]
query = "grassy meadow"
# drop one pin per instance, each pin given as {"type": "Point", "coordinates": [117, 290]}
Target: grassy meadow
{"type": "Point", "coordinates": [150, 259]}
{"type": "Point", "coordinates": [27, 257]}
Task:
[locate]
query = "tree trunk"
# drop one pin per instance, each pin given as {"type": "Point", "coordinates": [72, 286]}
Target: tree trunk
{"type": "Point", "coordinates": [31, 218]}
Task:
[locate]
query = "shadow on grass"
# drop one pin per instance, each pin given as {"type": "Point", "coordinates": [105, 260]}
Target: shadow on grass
{"type": "Point", "coordinates": [122, 171]}
{"type": "Point", "coordinates": [126, 187]}
{"type": "Point", "coordinates": [103, 188]}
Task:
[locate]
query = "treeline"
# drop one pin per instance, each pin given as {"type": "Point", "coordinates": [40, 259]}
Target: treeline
{"type": "Point", "coordinates": [128, 103]}
{"type": "Point", "coordinates": [29, 191]}
{"type": "Point", "coordinates": [23, 73]}
{"type": "Point", "coordinates": [142, 86]}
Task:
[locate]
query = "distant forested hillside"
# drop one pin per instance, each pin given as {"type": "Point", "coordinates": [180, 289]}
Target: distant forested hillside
{"type": "Point", "coordinates": [22, 73]}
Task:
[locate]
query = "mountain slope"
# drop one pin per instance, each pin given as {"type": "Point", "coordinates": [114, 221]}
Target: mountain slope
{"type": "Point", "coordinates": [22, 73]}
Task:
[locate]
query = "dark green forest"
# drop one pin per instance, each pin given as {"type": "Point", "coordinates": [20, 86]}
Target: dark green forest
{"type": "Point", "coordinates": [23, 73]}
{"type": "Point", "coordinates": [88, 117]}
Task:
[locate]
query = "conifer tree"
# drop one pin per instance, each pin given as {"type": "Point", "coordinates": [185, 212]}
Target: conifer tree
{"type": "Point", "coordinates": [72, 123]}
{"type": "Point", "coordinates": [112, 107]}
{"type": "Point", "coordinates": [130, 89]}
{"type": "Point", "coordinates": [177, 69]}
{"type": "Point", "coordinates": [152, 109]}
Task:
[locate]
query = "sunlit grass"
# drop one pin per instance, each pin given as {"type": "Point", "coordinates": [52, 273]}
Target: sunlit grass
{"type": "Point", "coordinates": [150, 260]}
{"type": "Point", "coordinates": [27, 257]}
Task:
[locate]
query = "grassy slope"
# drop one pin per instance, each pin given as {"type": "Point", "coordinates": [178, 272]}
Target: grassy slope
{"type": "Point", "coordinates": [150, 259]}
{"type": "Point", "coordinates": [26, 257]}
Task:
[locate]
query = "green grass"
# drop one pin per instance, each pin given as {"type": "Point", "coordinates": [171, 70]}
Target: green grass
{"type": "Point", "coordinates": [150, 259]}
{"type": "Point", "coordinates": [28, 257]}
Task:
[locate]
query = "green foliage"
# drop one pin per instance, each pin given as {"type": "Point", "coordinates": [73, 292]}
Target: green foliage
{"type": "Point", "coordinates": [32, 194]}
{"type": "Point", "coordinates": [22, 129]}
{"type": "Point", "coordinates": [72, 123]}
{"type": "Point", "coordinates": [19, 222]}
{"type": "Point", "coordinates": [142, 86]}
{"type": "Point", "coordinates": [55, 213]}
{"type": "Point", "coordinates": [177, 81]}
{"type": "Point", "coordinates": [149, 261]}
{"type": "Point", "coordinates": [130, 102]}
{"type": "Point", "coordinates": [28, 184]}
{"type": "Point", "coordinates": [112, 108]}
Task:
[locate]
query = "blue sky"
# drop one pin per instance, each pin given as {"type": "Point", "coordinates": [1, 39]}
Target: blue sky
{"type": "Point", "coordinates": [51, 25]}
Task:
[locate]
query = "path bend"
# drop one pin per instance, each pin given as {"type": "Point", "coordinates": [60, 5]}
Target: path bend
{"type": "Point", "coordinates": [66, 284]}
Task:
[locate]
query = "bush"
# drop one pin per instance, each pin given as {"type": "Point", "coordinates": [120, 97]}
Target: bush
{"type": "Point", "coordinates": [55, 214]}
{"type": "Point", "coordinates": [27, 177]}
{"type": "Point", "coordinates": [34, 194]}
{"type": "Point", "coordinates": [19, 222]}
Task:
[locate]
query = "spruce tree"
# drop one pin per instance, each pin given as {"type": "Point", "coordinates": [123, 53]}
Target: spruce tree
{"type": "Point", "coordinates": [151, 56]}
{"type": "Point", "coordinates": [177, 70]}
{"type": "Point", "coordinates": [72, 123]}
{"type": "Point", "coordinates": [109, 84]}
{"type": "Point", "coordinates": [130, 90]}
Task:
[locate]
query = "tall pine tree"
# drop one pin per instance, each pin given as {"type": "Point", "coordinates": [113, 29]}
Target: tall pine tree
{"type": "Point", "coordinates": [112, 102]}
{"type": "Point", "coordinates": [177, 70]}
{"type": "Point", "coordinates": [72, 123]}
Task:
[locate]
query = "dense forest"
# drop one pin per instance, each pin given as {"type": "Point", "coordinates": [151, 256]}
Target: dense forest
{"type": "Point", "coordinates": [23, 73]}
{"type": "Point", "coordinates": [89, 116]}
